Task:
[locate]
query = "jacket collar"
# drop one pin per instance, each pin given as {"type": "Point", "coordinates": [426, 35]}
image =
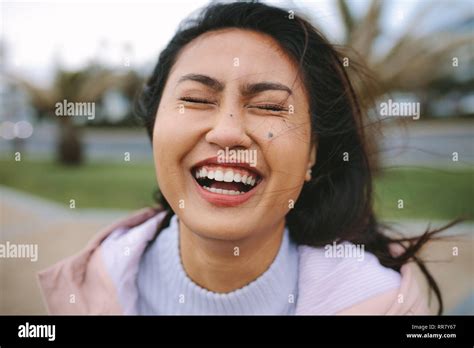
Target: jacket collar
{"type": "Point", "coordinates": [100, 280]}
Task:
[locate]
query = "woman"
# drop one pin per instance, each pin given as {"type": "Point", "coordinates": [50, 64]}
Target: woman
{"type": "Point", "coordinates": [265, 182]}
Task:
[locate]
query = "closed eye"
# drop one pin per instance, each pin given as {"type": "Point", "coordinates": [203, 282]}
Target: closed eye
{"type": "Point", "coordinates": [270, 107]}
{"type": "Point", "coordinates": [196, 100]}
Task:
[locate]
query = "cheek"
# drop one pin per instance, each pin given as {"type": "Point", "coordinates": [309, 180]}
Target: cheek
{"type": "Point", "coordinates": [169, 146]}
{"type": "Point", "coordinates": [285, 146]}
{"type": "Point", "coordinates": [171, 136]}
{"type": "Point", "coordinates": [286, 155]}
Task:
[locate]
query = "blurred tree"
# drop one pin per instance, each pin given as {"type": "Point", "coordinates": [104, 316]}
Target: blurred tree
{"type": "Point", "coordinates": [87, 85]}
{"type": "Point", "coordinates": [414, 60]}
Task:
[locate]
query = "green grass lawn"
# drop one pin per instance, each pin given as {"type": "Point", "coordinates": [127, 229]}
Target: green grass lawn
{"type": "Point", "coordinates": [94, 185]}
{"type": "Point", "coordinates": [426, 193]}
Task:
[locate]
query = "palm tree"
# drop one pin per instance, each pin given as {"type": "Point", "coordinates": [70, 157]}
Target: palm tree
{"type": "Point", "coordinates": [88, 85]}
{"type": "Point", "coordinates": [413, 62]}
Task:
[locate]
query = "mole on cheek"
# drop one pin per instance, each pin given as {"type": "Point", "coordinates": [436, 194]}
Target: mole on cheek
{"type": "Point", "coordinates": [270, 135]}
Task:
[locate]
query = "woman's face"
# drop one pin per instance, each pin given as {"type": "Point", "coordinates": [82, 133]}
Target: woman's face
{"type": "Point", "coordinates": [232, 135]}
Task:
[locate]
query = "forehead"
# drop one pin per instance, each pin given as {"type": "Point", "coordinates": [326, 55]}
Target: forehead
{"type": "Point", "coordinates": [236, 55]}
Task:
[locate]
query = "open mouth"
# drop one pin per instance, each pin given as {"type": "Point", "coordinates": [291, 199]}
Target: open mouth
{"type": "Point", "coordinates": [224, 180]}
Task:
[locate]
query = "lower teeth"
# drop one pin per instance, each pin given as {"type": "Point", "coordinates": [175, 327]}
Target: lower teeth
{"type": "Point", "coordinates": [223, 192]}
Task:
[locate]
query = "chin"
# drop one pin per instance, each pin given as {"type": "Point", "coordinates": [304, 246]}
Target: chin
{"type": "Point", "coordinates": [218, 226]}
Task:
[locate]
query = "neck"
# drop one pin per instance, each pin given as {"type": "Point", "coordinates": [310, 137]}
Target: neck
{"type": "Point", "coordinates": [224, 266]}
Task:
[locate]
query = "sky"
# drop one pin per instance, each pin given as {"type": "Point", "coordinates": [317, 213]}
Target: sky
{"type": "Point", "coordinates": [38, 35]}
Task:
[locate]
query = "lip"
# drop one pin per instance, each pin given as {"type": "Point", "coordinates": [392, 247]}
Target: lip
{"type": "Point", "coordinates": [225, 200]}
{"type": "Point", "coordinates": [221, 199]}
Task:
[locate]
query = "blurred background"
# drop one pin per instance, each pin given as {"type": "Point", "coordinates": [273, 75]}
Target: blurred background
{"type": "Point", "coordinates": [64, 178]}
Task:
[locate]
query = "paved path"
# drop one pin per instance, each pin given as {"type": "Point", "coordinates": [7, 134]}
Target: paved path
{"type": "Point", "coordinates": [59, 232]}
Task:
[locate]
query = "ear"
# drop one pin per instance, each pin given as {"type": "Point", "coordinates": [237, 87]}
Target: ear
{"type": "Point", "coordinates": [311, 162]}
{"type": "Point", "coordinates": [312, 156]}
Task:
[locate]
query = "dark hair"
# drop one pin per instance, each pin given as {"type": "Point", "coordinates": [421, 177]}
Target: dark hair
{"type": "Point", "coordinates": [337, 203]}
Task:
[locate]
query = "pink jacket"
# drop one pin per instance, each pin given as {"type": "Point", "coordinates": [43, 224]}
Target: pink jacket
{"type": "Point", "coordinates": [98, 281]}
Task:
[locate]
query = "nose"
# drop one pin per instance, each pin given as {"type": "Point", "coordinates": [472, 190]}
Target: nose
{"type": "Point", "coordinates": [229, 131]}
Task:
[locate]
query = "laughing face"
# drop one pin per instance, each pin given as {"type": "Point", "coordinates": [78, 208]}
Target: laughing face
{"type": "Point", "coordinates": [231, 141]}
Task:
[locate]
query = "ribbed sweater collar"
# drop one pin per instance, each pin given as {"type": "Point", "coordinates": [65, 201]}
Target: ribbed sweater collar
{"type": "Point", "coordinates": [165, 288]}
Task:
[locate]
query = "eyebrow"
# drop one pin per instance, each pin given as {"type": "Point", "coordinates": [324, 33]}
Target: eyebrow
{"type": "Point", "coordinates": [256, 88]}
{"type": "Point", "coordinates": [246, 90]}
{"type": "Point", "coordinates": [205, 80]}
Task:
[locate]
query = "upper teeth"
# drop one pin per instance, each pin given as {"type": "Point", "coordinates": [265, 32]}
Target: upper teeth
{"type": "Point", "coordinates": [226, 176]}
